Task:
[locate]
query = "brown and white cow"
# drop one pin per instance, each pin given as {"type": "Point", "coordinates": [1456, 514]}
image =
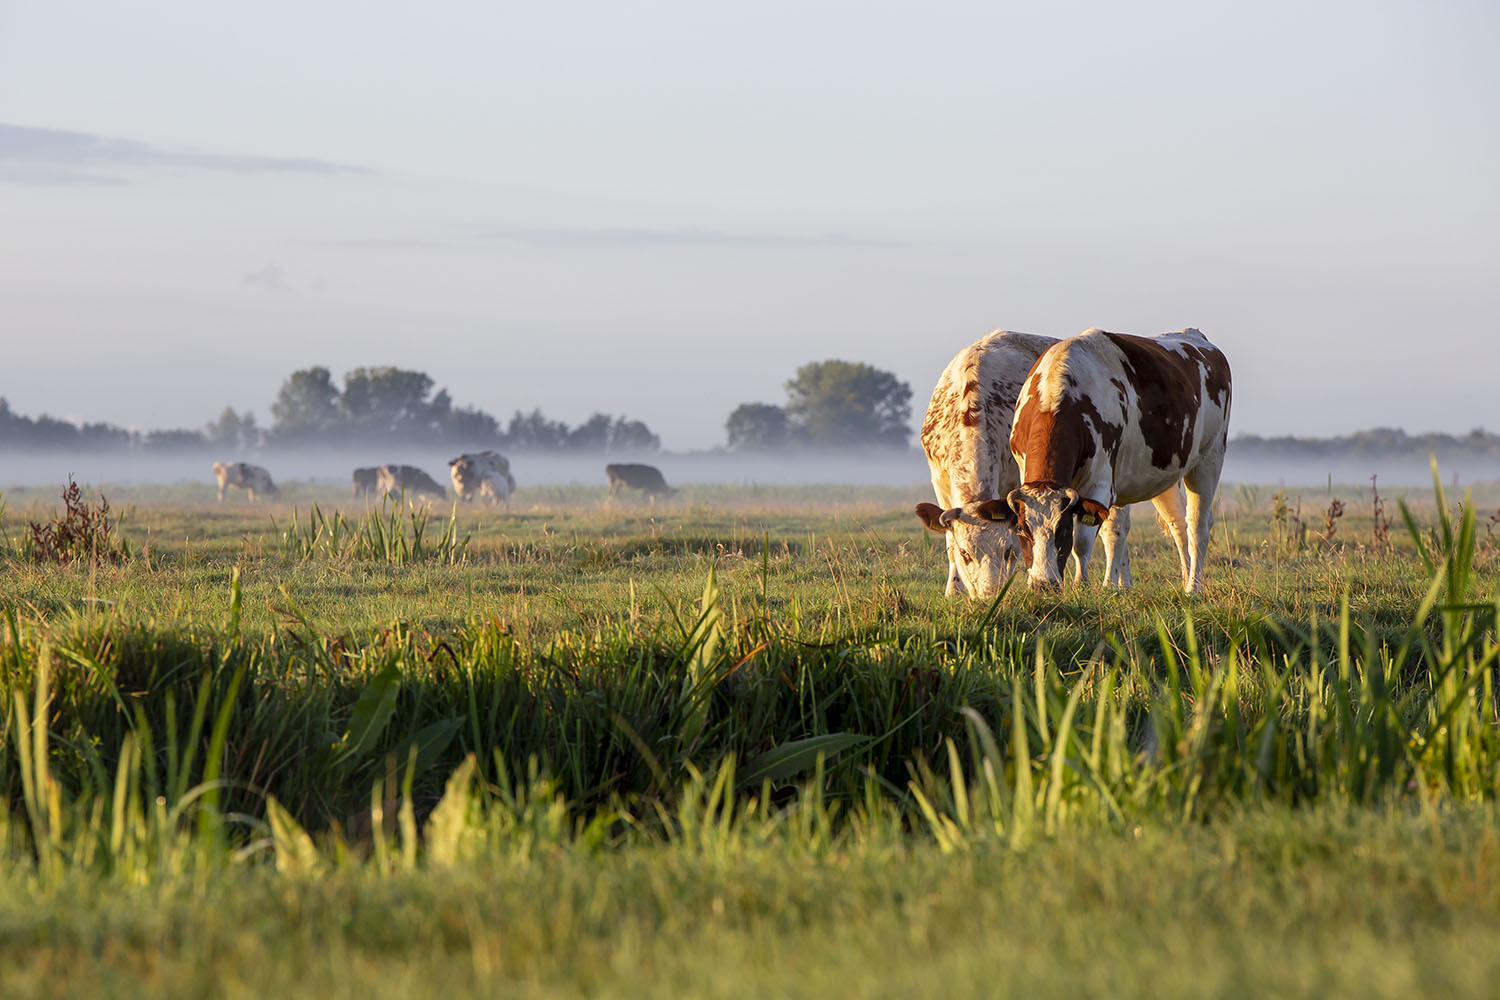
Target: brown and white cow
{"type": "Point", "coordinates": [365, 480]}
{"type": "Point", "coordinates": [394, 480]}
{"type": "Point", "coordinates": [244, 476]}
{"type": "Point", "coordinates": [1109, 419]}
{"type": "Point", "coordinates": [646, 478]}
{"type": "Point", "coordinates": [966, 435]}
{"type": "Point", "coordinates": [486, 473]}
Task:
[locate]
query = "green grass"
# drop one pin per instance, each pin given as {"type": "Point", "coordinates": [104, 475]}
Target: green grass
{"type": "Point", "coordinates": [741, 744]}
{"type": "Point", "coordinates": [1314, 904]}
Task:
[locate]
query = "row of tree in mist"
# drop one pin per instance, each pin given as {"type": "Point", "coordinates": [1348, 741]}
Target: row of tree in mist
{"type": "Point", "coordinates": [829, 404]}
{"type": "Point", "coordinates": [1378, 442]}
{"type": "Point", "coordinates": [373, 405]}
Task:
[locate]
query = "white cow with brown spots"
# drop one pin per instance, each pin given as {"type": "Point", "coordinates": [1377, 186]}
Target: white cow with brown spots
{"type": "Point", "coordinates": [244, 476]}
{"type": "Point", "coordinates": [486, 473]}
{"type": "Point", "coordinates": [1109, 419]}
{"type": "Point", "coordinates": [966, 435]}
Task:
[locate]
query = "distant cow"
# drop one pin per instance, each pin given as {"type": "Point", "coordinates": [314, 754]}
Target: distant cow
{"type": "Point", "coordinates": [486, 473]}
{"type": "Point", "coordinates": [242, 475]}
{"type": "Point", "coordinates": [393, 480]}
{"type": "Point", "coordinates": [646, 478]}
{"type": "Point", "coordinates": [1107, 419]}
{"type": "Point", "coordinates": [966, 435]}
{"type": "Point", "coordinates": [365, 480]}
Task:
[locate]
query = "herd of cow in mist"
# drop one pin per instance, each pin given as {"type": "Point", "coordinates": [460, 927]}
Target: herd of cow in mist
{"type": "Point", "coordinates": [1036, 447]}
{"type": "Point", "coordinates": [485, 474]}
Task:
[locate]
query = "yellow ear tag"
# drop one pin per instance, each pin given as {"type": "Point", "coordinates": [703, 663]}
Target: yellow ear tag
{"type": "Point", "coordinates": [1088, 520]}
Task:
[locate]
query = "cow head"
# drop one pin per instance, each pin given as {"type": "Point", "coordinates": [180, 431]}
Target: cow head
{"type": "Point", "coordinates": [1047, 516]}
{"type": "Point", "coordinates": [983, 550]}
{"type": "Point", "coordinates": [461, 470]}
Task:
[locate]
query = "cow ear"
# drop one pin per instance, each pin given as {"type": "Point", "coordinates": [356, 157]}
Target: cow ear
{"type": "Point", "coordinates": [1092, 512]}
{"type": "Point", "coordinates": [995, 510]}
{"type": "Point", "coordinates": [931, 515]}
{"type": "Point", "coordinates": [1017, 500]}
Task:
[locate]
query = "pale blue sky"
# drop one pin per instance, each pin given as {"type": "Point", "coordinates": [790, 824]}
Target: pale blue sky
{"type": "Point", "coordinates": [663, 209]}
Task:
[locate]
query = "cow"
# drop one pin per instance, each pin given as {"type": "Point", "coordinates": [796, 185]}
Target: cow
{"type": "Point", "coordinates": [486, 473]}
{"type": "Point", "coordinates": [365, 480]}
{"type": "Point", "coordinates": [393, 480]}
{"type": "Point", "coordinates": [244, 476]}
{"type": "Point", "coordinates": [1109, 419]}
{"type": "Point", "coordinates": [966, 435]}
{"type": "Point", "coordinates": [646, 478]}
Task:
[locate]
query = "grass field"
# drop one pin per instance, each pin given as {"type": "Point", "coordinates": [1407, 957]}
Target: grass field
{"type": "Point", "coordinates": [740, 744]}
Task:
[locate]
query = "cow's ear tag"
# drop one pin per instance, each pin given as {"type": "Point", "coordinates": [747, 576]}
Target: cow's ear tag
{"type": "Point", "coordinates": [1092, 513]}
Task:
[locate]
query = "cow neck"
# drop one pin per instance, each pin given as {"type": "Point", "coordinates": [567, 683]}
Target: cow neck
{"type": "Point", "coordinates": [1054, 445]}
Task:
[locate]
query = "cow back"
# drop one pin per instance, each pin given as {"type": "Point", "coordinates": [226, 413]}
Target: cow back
{"type": "Point", "coordinates": [966, 430]}
{"type": "Point", "coordinates": [1126, 414]}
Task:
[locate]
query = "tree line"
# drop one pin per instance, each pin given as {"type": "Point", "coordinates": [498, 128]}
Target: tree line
{"type": "Point", "coordinates": [384, 405]}
{"type": "Point", "coordinates": [828, 404]}
{"type": "Point", "coordinates": [1383, 442]}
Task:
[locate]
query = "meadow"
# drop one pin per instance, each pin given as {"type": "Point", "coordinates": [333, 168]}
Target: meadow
{"type": "Point", "coordinates": [740, 744]}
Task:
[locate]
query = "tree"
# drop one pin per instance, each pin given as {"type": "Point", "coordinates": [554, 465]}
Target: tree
{"type": "Point", "coordinates": [837, 403]}
{"type": "Point", "coordinates": [599, 433]}
{"type": "Point", "coordinates": [390, 402]}
{"type": "Point", "coordinates": [534, 432]}
{"type": "Point", "coordinates": [180, 439]}
{"type": "Point", "coordinates": [756, 426]}
{"type": "Point", "coordinates": [632, 435]}
{"type": "Point", "coordinates": [591, 435]}
{"type": "Point", "coordinates": [233, 431]}
{"type": "Point", "coordinates": [468, 424]}
{"type": "Point", "coordinates": [17, 430]}
{"type": "Point", "coordinates": [307, 406]}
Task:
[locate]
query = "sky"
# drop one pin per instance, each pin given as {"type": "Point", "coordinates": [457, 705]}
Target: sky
{"type": "Point", "coordinates": [664, 209]}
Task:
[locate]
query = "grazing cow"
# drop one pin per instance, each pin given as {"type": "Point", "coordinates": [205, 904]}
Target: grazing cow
{"type": "Point", "coordinates": [393, 480]}
{"type": "Point", "coordinates": [1105, 420]}
{"type": "Point", "coordinates": [646, 478]}
{"type": "Point", "coordinates": [365, 480]}
{"type": "Point", "coordinates": [966, 435]}
{"type": "Point", "coordinates": [244, 476]}
{"type": "Point", "coordinates": [486, 473]}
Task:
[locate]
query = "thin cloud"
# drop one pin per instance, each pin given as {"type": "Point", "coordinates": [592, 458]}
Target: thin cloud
{"type": "Point", "coordinates": [271, 278]}
{"type": "Point", "coordinates": [483, 239]}
{"type": "Point", "coordinates": [54, 156]}
{"type": "Point", "coordinates": [42, 174]}
{"type": "Point", "coordinates": [616, 238]}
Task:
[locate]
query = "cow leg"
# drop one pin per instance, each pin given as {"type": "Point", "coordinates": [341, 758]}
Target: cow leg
{"type": "Point", "coordinates": [1202, 483]}
{"type": "Point", "coordinates": [955, 586]}
{"type": "Point", "coordinates": [1083, 549]}
{"type": "Point", "coordinates": [1171, 507]}
{"type": "Point", "coordinates": [221, 493]}
{"type": "Point", "coordinates": [1112, 534]}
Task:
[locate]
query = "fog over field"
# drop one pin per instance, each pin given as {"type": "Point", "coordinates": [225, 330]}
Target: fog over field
{"type": "Point", "coordinates": [39, 470]}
